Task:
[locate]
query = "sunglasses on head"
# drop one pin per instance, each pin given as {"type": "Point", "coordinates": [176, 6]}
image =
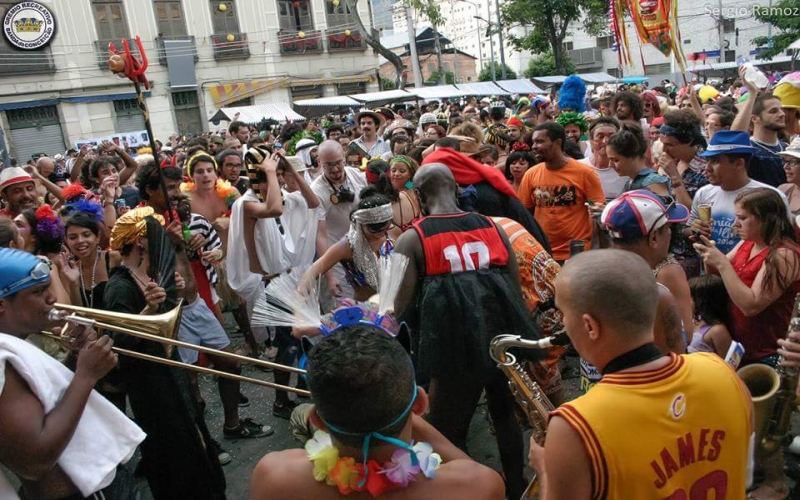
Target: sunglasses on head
{"type": "Point", "coordinates": [39, 272]}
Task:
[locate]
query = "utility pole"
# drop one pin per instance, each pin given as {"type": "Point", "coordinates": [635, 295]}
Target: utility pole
{"type": "Point", "coordinates": [412, 45]}
{"type": "Point", "coordinates": [491, 39]}
{"type": "Point", "coordinates": [500, 36]}
{"type": "Point", "coordinates": [721, 33]}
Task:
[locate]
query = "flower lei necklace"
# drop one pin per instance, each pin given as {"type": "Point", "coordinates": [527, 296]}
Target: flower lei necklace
{"type": "Point", "coordinates": [350, 476]}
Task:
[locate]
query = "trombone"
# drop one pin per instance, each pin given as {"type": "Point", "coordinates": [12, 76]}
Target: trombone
{"type": "Point", "coordinates": [162, 328]}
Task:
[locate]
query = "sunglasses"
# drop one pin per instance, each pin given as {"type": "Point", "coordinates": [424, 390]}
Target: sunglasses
{"type": "Point", "coordinates": [380, 227]}
{"type": "Point", "coordinates": [39, 272]}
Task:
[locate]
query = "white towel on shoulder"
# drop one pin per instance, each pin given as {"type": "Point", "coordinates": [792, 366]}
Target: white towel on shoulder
{"type": "Point", "coordinates": [104, 437]}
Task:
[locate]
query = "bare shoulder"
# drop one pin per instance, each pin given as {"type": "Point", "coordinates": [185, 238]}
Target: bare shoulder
{"type": "Point", "coordinates": [461, 479]}
{"type": "Point", "coordinates": [283, 474]}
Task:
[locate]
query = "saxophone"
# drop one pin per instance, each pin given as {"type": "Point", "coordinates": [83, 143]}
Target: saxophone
{"type": "Point", "coordinates": [773, 395]}
{"type": "Point", "coordinates": [528, 393]}
{"type": "Point", "coordinates": [776, 432]}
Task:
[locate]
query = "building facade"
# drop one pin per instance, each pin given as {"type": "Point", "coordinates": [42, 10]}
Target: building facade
{"type": "Point", "coordinates": [203, 55]}
{"type": "Point", "coordinates": [705, 29]}
{"type": "Point", "coordinates": [468, 24]}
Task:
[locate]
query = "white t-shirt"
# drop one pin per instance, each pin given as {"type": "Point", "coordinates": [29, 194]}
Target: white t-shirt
{"type": "Point", "coordinates": [613, 184]}
{"type": "Point", "coordinates": [337, 216]}
{"type": "Point", "coordinates": [723, 211]}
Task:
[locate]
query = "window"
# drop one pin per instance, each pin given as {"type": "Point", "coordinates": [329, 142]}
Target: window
{"type": "Point", "coordinates": [606, 42]}
{"type": "Point", "coordinates": [615, 72]}
{"type": "Point", "coordinates": [728, 25]}
{"type": "Point", "coordinates": [567, 46]}
{"type": "Point", "coordinates": [295, 15]}
{"type": "Point", "coordinates": [339, 15]}
{"type": "Point", "coordinates": [306, 92]}
{"type": "Point", "coordinates": [223, 19]}
{"type": "Point", "coordinates": [351, 88]}
{"type": "Point", "coordinates": [187, 112]}
{"type": "Point", "coordinates": [109, 17]}
{"type": "Point", "coordinates": [730, 55]}
{"type": "Point", "coordinates": [169, 18]}
{"type": "Point", "coordinates": [128, 115]}
{"type": "Point", "coordinates": [655, 69]}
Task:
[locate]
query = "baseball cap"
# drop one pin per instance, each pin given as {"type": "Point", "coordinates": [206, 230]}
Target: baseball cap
{"type": "Point", "coordinates": [20, 270]}
{"type": "Point", "coordinates": [636, 213]}
{"type": "Point", "coordinates": [13, 175]}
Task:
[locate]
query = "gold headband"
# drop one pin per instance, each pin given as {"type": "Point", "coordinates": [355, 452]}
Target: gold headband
{"type": "Point", "coordinates": [201, 156]}
{"type": "Point", "coordinates": [131, 226]}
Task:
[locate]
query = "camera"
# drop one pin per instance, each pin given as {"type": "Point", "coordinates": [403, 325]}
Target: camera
{"type": "Point", "coordinates": [342, 195]}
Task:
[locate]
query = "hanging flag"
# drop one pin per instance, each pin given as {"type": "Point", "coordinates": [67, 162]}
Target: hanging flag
{"type": "Point", "coordinates": [656, 23]}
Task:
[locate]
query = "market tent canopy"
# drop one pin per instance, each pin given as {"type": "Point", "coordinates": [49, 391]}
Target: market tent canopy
{"type": "Point", "coordinates": [323, 105]}
{"type": "Point", "coordinates": [551, 80]}
{"type": "Point", "coordinates": [634, 80]}
{"type": "Point", "coordinates": [481, 88]}
{"type": "Point", "coordinates": [735, 64]}
{"type": "Point", "coordinates": [597, 77]}
{"type": "Point", "coordinates": [439, 92]}
{"type": "Point", "coordinates": [380, 98]}
{"type": "Point", "coordinates": [520, 86]}
{"type": "Point", "coordinates": [278, 111]}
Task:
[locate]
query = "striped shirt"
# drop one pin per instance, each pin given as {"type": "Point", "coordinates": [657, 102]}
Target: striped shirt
{"type": "Point", "coordinates": [200, 225]}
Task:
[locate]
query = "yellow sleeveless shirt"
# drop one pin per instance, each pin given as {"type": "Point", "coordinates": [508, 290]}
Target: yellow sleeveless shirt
{"type": "Point", "coordinates": [680, 432]}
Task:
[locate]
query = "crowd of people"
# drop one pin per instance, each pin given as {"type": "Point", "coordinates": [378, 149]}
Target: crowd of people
{"type": "Point", "coordinates": [655, 227]}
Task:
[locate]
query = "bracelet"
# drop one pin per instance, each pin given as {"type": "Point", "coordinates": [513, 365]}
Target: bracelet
{"type": "Point", "coordinates": [108, 203]}
{"type": "Point", "coordinates": [676, 184]}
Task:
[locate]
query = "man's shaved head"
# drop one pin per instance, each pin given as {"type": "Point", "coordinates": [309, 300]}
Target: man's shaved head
{"type": "Point", "coordinates": [329, 147]}
{"type": "Point", "coordinates": [615, 287]}
{"type": "Point", "coordinates": [434, 180]}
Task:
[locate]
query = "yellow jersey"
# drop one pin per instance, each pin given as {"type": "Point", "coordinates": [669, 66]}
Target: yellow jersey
{"type": "Point", "coordinates": [680, 432]}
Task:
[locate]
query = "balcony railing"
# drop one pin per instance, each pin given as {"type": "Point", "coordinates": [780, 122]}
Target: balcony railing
{"type": "Point", "coordinates": [230, 46]}
{"type": "Point", "coordinates": [162, 53]}
{"type": "Point", "coordinates": [300, 42]}
{"type": "Point", "coordinates": [101, 49]}
{"type": "Point", "coordinates": [16, 63]}
{"type": "Point", "coordinates": [345, 39]}
{"type": "Point", "coordinates": [588, 58]}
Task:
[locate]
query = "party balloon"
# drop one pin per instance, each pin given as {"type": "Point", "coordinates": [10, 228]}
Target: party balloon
{"type": "Point", "coordinates": [346, 32]}
{"type": "Point", "coordinates": [301, 34]}
{"type": "Point", "coordinates": [296, 5]}
{"type": "Point", "coordinates": [222, 7]}
{"type": "Point", "coordinates": [230, 37]}
{"type": "Point", "coordinates": [335, 3]}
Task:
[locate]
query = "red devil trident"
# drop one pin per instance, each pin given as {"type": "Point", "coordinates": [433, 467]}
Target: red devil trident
{"type": "Point", "coordinates": [125, 65]}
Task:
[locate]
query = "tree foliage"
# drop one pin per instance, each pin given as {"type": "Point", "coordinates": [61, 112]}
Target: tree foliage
{"type": "Point", "coordinates": [782, 15]}
{"type": "Point", "coordinates": [387, 84]}
{"type": "Point", "coordinates": [545, 65]}
{"type": "Point", "coordinates": [550, 20]}
{"type": "Point", "coordinates": [486, 73]}
{"type": "Point", "coordinates": [448, 77]}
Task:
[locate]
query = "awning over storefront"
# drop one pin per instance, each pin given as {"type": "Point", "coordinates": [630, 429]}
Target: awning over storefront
{"type": "Point", "coordinates": [331, 81]}
{"type": "Point", "coordinates": [550, 80]}
{"type": "Point", "coordinates": [520, 86]}
{"type": "Point", "coordinates": [231, 92]}
{"type": "Point", "coordinates": [71, 99]}
{"type": "Point", "coordinates": [279, 111]}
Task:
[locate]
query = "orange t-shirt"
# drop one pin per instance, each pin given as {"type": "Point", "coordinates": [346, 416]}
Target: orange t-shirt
{"type": "Point", "coordinates": [559, 199]}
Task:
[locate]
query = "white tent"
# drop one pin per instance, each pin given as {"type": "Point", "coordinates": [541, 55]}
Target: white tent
{"type": "Point", "coordinates": [279, 111]}
{"type": "Point", "coordinates": [481, 88]}
{"type": "Point", "coordinates": [520, 86]}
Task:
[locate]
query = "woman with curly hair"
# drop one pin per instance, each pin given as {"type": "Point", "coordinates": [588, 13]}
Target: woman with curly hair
{"type": "Point", "coordinates": [575, 126]}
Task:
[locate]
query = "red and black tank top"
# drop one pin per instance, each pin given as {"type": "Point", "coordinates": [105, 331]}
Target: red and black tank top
{"type": "Point", "coordinates": [460, 242]}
